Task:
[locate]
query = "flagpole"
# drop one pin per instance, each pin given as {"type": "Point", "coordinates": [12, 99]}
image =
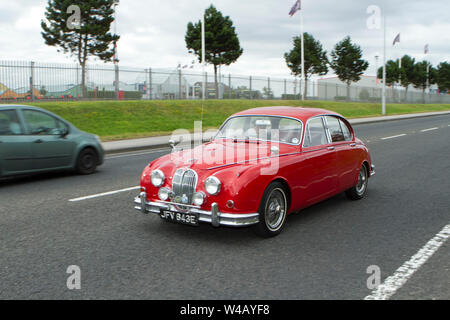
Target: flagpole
{"type": "Point", "coordinates": [302, 85]}
{"type": "Point", "coordinates": [203, 65]}
{"type": "Point", "coordinates": [383, 97]}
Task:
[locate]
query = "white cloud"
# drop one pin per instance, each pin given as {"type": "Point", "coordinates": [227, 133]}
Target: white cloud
{"type": "Point", "coordinates": [152, 31]}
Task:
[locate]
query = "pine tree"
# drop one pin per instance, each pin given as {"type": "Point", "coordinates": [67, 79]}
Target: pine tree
{"type": "Point", "coordinates": [90, 37]}
{"type": "Point", "coordinates": [316, 61]}
{"type": "Point", "coordinates": [221, 40]}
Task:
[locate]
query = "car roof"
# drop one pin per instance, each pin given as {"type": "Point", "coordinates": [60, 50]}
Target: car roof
{"type": "Point", "coordinates": [18, 106]}
{"type": "Point", "coordinates": [300, 113]}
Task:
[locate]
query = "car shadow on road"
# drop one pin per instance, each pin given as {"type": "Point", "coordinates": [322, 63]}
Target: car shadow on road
{"type": "Point", "coordinates": [242, 236]}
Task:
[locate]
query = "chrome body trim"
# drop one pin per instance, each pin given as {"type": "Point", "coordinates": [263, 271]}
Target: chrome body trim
{"type": "Point", "coordinates": [214, 217]}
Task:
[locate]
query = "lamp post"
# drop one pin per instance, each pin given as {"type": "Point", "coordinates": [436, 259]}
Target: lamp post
{"type": "Point", "coordinates": [116, 66]}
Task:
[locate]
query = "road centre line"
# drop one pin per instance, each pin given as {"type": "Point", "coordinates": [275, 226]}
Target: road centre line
{"type": "Point", "coordinates": [104, 194]}
{"type": "Point", "coordinates": [397, 136]}
{"type": "Point", "coordinates": [431, 129]}
{"type": "Point", "coordinates": [125, 154]}
{"type": "Point", "coordinates": [393, 283]}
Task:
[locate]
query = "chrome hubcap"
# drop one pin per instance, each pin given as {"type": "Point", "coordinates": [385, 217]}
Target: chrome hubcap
{"type": "Point", "coordinates": [275, 209]}
{"type": "Point", "coordinates": [362, 181]}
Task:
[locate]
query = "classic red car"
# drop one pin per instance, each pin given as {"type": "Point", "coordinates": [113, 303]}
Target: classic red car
{"type": "Point", "coordinates": [262, 165]}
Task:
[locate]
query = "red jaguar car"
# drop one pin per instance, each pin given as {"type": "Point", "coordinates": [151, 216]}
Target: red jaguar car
{"type": "Point", "coordinates": [262, 165]}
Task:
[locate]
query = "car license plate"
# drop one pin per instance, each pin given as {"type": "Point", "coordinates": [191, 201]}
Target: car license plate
{"type": "Point", "coordinates": [178, 217]}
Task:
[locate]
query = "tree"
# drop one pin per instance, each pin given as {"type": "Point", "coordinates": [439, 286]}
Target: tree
{"type": "Point", "coordinates": [221, 40]}
{"type": "Point", "coordinates": [316, 61]}
{"type": "Point", "coordinates": [88, 37]}
{"type": "Point", "coordinates": [443, 76]}
{"type": "Point", "coordinates": [268, 93]}
{"type": "Point", "coordinates": [392, 72]}
{"type": "Point", "coordinates": [347, 62]}
{"type": "Point", "coordinates": [407, 72]}
{"type": "Point", "coordinates": [424, 75]}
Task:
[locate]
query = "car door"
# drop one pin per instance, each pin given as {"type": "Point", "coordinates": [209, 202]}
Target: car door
{"type": "Point", "coordinates": [342, 140]}
{"type": "Point", "coordinates": [318, 164]}
{"type": "Point", "coordinates": [15, 145]}
{"type": "Point", "coordinates": [51, 149]}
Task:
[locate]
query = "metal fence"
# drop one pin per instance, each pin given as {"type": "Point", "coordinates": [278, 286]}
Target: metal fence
{"type": "Point", "coordinates": [22, 81]}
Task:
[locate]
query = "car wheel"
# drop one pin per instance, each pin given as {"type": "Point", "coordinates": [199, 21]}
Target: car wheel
{"type": "Point", "coordinates": [272, 211]}
{"type": "Point", "coordinates": [86, 162]}
{"type": "Point", "coordinates": [359, 191]}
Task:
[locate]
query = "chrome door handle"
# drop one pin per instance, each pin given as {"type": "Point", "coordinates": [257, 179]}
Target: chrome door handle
{"type": "Point", "coordinates": [353, 145]}
{"type": "Point", "coordinates": [331, 148]}
{"type": "Point", "coordinates": [38, 141]}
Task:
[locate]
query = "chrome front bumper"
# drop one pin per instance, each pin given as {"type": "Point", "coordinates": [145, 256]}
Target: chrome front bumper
{"type": "Point", "coordinates": [214, 217]}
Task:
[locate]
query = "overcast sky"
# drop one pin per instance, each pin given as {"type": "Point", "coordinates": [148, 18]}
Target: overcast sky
{"type": "Point", "coordinates": [152, 31]}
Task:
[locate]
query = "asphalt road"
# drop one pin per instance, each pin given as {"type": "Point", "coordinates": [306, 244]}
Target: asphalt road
{"type": "Point", "coordinates": [323, 253]}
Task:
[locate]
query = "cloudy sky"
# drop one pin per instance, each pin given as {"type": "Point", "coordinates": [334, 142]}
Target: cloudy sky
{"type": "Point", "coordinates": [152, 31]}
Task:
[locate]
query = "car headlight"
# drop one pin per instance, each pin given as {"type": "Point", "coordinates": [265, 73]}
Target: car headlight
{"type": "Point", "coordinates": [157, 177]}
{"type": "Point", "coordinates": [199, 198]}
{"type": "Point", "coordinates": [212, 185]}
{"type": "Point", "coordinates": [164, 194]}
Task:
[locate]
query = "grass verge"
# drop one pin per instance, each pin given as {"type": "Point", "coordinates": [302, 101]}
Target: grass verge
{"type": "Point", "coordinates": [115, 120]}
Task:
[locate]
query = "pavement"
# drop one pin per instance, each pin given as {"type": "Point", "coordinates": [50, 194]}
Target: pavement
{"type": "Point", "coordinates": [163, 141]}
{"type": "Point", "coordinates": [323, 253]}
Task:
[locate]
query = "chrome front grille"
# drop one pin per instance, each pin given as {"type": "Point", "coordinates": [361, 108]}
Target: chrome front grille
{"type": "Point", "coordinates": [183, 186]}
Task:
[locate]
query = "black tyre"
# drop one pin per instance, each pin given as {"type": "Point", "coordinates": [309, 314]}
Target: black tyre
{"type": "Point", "coordinates": [360, 190]}
{"type": "Point", "coordinates": [272, 211]}
{"type": "Point", "coordinates": [86, 162]}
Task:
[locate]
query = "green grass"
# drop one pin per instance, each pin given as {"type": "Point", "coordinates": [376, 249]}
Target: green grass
{"type": "Point", "coordinates": [114, 120]}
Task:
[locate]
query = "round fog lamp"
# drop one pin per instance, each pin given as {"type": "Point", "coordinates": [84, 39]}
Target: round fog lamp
{"type": "Point", "coordinates": [163, 194]}
{"type": "Point", "coordinates": [199, 198]}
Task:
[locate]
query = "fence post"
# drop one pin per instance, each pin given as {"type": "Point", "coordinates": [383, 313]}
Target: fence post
{"type": "Point", "coordinates": [179, 85]}
{"type": "Point", "coordinates": [268, 83]}
{"type": "Point", "coordinates": [32, 80]}
{"type": "Point", "coordinates": [116, 71]}
{"type": "Point", "coordinates": [285, 90]}
{"type": "Point", "coordinates": [229, 86]}
{"type": "Point", "coordinates": [251, 95]}
{"type": "Point", "coordinates": [150, 84]}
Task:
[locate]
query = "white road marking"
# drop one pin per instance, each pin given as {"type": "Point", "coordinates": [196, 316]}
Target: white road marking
{"type": "Point", "coordinates": [431, 129]}
{"type": "Point", "coordinates": [397, 136]}
{"type": "Point", "coordinates": [402, 274]}
{"type": "Point", "coordinates": [125, 154]}
{"type": "Point", "coordinates": [104, 194]}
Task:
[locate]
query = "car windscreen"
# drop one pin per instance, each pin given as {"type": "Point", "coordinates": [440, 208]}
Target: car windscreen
{"type": "Point", "coordinates": [262, 128]}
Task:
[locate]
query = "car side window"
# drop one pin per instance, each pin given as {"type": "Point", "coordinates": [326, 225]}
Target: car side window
{"type": "Point", "coordinates": [10, 123]}
{"type": "Point", "coordinates": [290, 131]}
{"type": "Point", "coordinates": [41, 123]}
{"type": "Point", "coordinates": [346, 130]}
{"type": "Point", "coordinates": [315, 134]}
{"type": "Point", "coordinates": [335, 129]}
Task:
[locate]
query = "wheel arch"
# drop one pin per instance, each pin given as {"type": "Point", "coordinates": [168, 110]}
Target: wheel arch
{"type": "Point", "coordinates": [287, 187]}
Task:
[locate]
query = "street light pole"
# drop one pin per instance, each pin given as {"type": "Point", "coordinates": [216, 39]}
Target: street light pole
{"type": "Point", "coordinates": [383, 97]}
{"type": "Point", "coordinates": [116, 55]}
{"type": "Point", "coordinates": [302, 84]}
